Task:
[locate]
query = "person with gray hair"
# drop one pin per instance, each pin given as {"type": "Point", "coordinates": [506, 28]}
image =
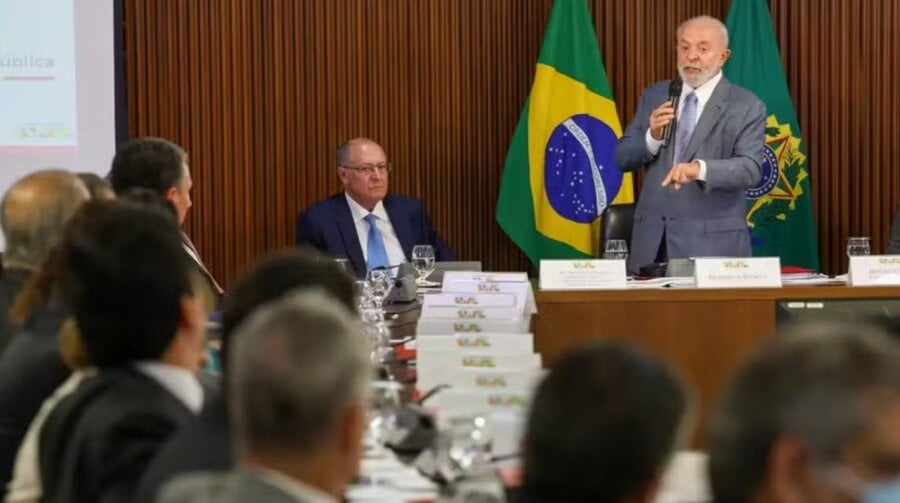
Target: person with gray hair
{"type": "Point", "coordinates": [33, 214]}
{"type": "Point", "coordinates": [812, 416]}
{"type": "Point", "coordinates": [693, 201]}
{"type": "Point", "coordinates": [298, 380]}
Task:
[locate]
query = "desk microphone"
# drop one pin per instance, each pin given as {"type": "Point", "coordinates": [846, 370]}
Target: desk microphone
{"type": "Point", "coordinates": [674, 98]}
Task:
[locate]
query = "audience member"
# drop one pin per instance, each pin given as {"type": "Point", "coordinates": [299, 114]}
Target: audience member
{"type": "Point", "coordinates": [123, 271]}
{"type": "Point", "coordinates": [813, 416]}
{"type": "Point", "coordinates": [161, 166]}
{"type": "Point", "coordinates": [365, 224]}
{"type": "Point", "coordinates": [33, 213]}
{"type": "Point", "coordinates": [204, 444]}
{"type": "Point", "coordinates": [603, 425]}
{"type": "Point", "coordinates": [299, 406]}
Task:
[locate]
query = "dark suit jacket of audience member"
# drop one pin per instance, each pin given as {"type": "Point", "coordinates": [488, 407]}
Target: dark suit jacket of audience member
{"type": "Point", "coordinates": [201, 445]}
{"type": "Point", "coordinates": [98, 441]}
{"type": "Point", "coordinates": [30, 371]}
{"type": "Point", "coordinates": [893, 247]}
{"type": "Point", "coordinates": [11, 282]}
{"type": "Point", "coordinates": [328, 226]}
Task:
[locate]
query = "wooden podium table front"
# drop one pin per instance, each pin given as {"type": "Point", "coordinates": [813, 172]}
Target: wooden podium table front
{"type": "Point", "coordinates": [703, 333]}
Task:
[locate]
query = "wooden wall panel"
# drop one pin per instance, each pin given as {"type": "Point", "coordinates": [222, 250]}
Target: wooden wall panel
{"type": "Point", "coordinates": [261, 92]}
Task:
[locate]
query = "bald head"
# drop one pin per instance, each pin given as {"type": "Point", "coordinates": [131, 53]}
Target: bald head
{"type": "Point", "coordinates": [34, 213]}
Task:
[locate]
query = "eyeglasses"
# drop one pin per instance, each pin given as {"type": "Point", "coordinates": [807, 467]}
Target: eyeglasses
{"type": "Point", "coordinates": [370, 169]}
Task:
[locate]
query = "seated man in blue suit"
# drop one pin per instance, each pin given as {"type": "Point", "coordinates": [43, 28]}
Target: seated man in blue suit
{"type": "Point", "coordinates": [365, 224]}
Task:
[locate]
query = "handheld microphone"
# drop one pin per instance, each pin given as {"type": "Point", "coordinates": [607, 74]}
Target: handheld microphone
{"type": "Point", "coordinates": [674, 98]}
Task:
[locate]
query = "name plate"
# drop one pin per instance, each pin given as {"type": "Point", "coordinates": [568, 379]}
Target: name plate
{"type": "Point", "coordinates": [474, 299]}
{"type": "Point", "coordinates": [443, 326]}
{"type": "Point", "coordinates": [871, 270]}
{"type": "Point", "coordinates": [498, 343]}
{"type": "Point", "coordinates": [757, 272]}
{"type": "Point", "coordinates": [583, 275]}
{"type": "Point", "coordinates": [472, 312]}
{"type": "Point", "coordinates": [486, 277]}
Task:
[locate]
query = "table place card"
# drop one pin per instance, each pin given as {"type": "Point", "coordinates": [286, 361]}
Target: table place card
{"type": "Point", "coordinates": [522, 291]}
{"type": "Point", "coordinates": [443, 326]}
{"type": "Point", "coordinates": [467, 401]}
{"type": "Point", "coordinates": [583, 275]}
{"type": "Point", "coordinates": [505, 343]}
{"type": "Point", "coordinates": [472, 312]}
{"type": "Point", "coordinates": [756, 272]}
{"type": "Point", "coordinates": [874, 270]}
{"type": "Point", "coordinates": [486, 277]}
{"type": "Point", "coordinates": [472, 299]}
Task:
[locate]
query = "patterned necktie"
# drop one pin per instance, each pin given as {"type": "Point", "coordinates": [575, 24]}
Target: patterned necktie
{"type": "Point", "coordinates": [376, 252]}
{"type": "Point", "coordinates": [686, 124]}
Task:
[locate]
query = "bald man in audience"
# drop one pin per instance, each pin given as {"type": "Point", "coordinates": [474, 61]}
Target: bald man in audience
{"type": "Point", "coordinates": [366, 224]}
{"type": "Point", "coordinates": [33, 214]}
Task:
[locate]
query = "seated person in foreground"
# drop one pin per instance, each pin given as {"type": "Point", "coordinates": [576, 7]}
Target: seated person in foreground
{"type": "Point", "coordinates": [134, 295]}
{"type": "Point", "coordinates": [204, 444]}
{"type": "Point", "coordinates": [812, 416]}
{"type": "Point", "coordinates": [603, 425]}
{"type": "Point", "coordinates": [365, 224]}
{"type": "Point", "coordinates": [299, 407]}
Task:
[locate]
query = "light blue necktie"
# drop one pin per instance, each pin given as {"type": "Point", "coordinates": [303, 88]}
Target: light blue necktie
{"type": "Point", "coordinates": [377, 253]}
{"type": "Point", "coordinates": [686, 124]}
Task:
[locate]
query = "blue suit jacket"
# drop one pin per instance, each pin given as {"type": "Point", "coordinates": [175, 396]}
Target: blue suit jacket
{"type": "Point", "coordinates": [328, 226]}
{"type": "Point", "coordinates": [702, 218]}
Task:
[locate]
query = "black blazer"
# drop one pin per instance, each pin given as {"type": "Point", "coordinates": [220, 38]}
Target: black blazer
{"type": "Point", "coordinates": [201, 445]}
{"type": "Point", "coordinates": [328, 226]}
{"type": "Point", "coordinates": [98, 441]}
{"type": "Point", "coordinates": [30, 370]}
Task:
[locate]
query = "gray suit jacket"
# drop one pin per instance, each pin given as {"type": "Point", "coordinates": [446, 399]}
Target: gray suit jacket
{"type": "Point", "coordinates": [231, 487]}
{"type": "Point", "coordinates": [700, 219]}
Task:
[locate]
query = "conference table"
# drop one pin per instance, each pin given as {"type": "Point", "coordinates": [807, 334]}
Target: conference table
{"type": "Point", "coordinates": [703, 333]}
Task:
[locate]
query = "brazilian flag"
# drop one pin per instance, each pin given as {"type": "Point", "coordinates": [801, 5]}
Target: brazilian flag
{"type": "Point", "coordinates": [779, 208]}
{"type": "Point", "coordinates": [560, 173]}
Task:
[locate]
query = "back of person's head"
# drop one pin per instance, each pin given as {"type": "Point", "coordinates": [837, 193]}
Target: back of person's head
{"type": "Point", "coordinates": [276, 275]}
{"type": "Point", "coordinates": [801, 399]}
{"type": "Point", "coordinates": [603, 425]}
{"type": "Point", "coordinates": [150, 163]}
{"type": "Point", "coordinates": [148, 197]}
{"type": "Point", "coordinates": [298, 366]}
{"type": "Point", "coordinates": [97, 186]}
{"type": "Point", "coordinates": [123, 271]}
{"type": "Point", "coordinates": [34, 213]}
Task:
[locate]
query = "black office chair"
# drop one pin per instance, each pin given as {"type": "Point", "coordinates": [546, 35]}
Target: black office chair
{"type": "Point", "coordinates": [616, 222]}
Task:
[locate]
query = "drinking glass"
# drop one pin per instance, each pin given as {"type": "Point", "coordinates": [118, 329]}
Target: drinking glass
{"type": "Point", "coordinates": [858, 246]}
{"type": "Point", "coordinates": [345, 265]}
{"type": "Point", "coordinates": [423, 262]}
{"type": "Point", "coordinates": [384, 406]}
{"type": "Point", "coordinates": [470, 444]}
{"type": "Point", "coordinates": [616, 249]}
{"type": "Point", "coordinates": [380, 286]}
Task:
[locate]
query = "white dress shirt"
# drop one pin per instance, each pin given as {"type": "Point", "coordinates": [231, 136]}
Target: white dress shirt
{"type": "Point", "coordinates": [383, 223]}
{"type": "Point", "coordinates": [299, 490]}
{"type": "Point", "coordinates": [703, 93]}
{"type": "Point", "coordinates": [179, 381]}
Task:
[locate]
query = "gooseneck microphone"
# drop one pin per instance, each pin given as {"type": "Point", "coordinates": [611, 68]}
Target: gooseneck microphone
{"type": "Point", "coordinates": [674, 98]}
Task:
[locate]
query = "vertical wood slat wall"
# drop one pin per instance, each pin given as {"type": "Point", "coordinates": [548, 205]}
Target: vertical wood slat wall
{"type": "Point", "coordinates": [260, 93]}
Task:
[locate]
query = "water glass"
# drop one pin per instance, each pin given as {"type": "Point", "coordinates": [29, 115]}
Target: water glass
{"type": "Point", "coordinates": [858, 246]}
{"type": "Point", "coordinates": [384, 407]}
{"type": "Point", "coordinates": [380, 285]}
{"type": "Point", "coordinates": [345, 265]}
{"type": "Point", "coordinates": [616, 249]}
{"type": "Point", "coordinates": [423, 261]}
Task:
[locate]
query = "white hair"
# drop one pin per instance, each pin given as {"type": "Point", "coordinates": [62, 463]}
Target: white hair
{"type": "Point", "coordinates": [705, 20]}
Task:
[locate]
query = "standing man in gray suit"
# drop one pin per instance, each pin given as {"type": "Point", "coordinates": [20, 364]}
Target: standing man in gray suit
{"type": "Point", "coordinates": [692, 202]}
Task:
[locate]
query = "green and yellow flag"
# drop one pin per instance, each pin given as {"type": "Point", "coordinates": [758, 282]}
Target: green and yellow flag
{"type": "Point", "coordinates": [560, 171]}
{"type": "Point", "coordinates": [779, 209]}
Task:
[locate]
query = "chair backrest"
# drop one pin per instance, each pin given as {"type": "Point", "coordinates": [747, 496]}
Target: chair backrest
{"type": "Point", "coordinates": [616, 222]}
